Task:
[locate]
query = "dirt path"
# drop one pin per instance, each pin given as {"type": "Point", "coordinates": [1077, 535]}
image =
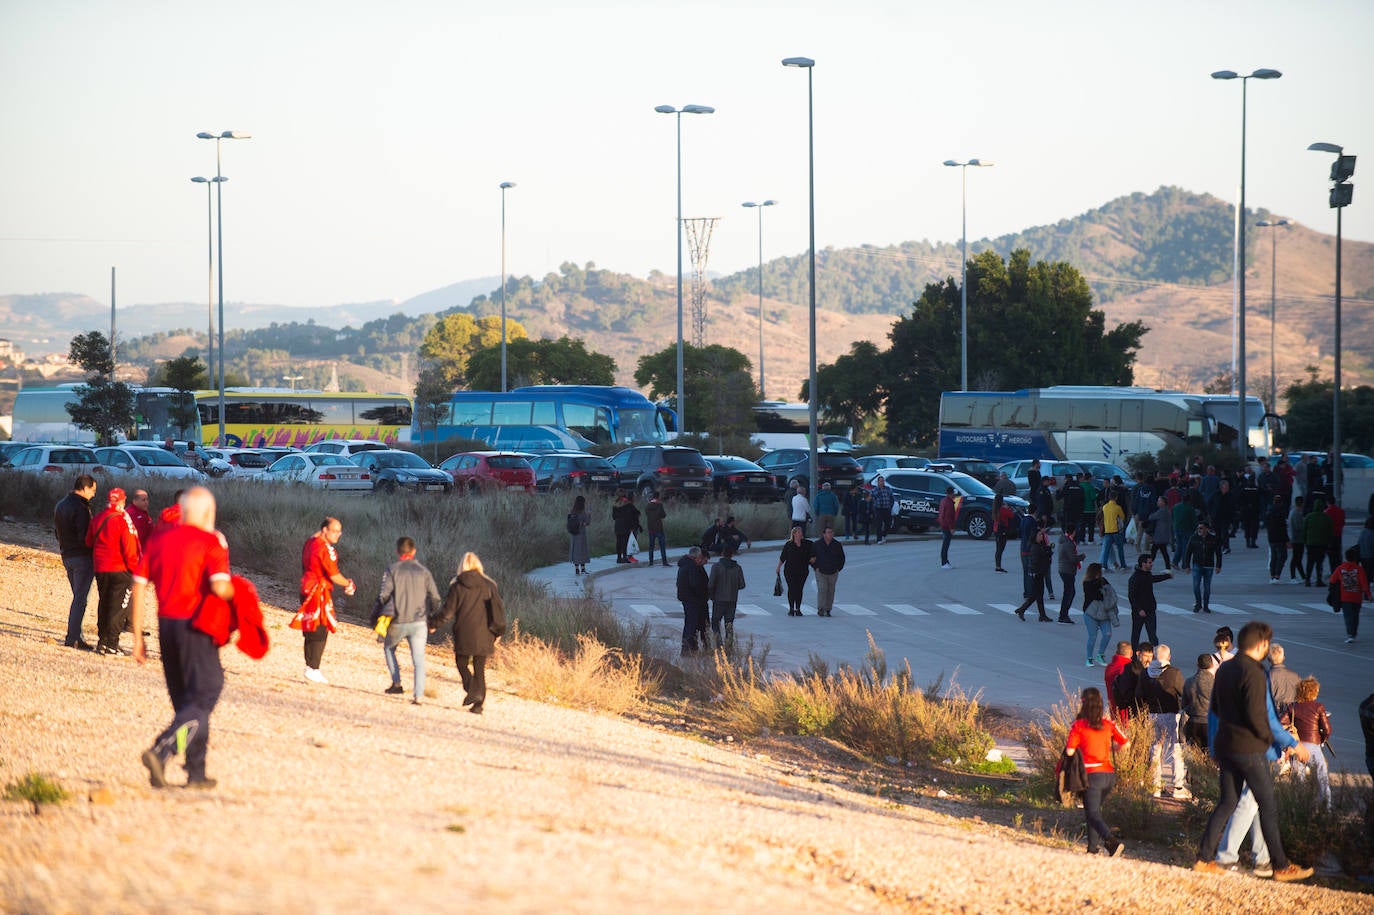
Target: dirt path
{"type": "Point", "coordinates": [341, 799]}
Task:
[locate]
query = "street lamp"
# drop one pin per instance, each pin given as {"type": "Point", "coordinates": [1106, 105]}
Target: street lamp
{"type": "Point", "coordinates": [1273, 304]}
{"type": "Point", "coordinates": [293, 379]}
{"type": "Point", "coordinates": [809, 66]}
{"type": "Point", "coordinates": [210, 272]}
{"type": "Point", "coordinates": [963, 262]}
{"type": "Point", "coordinates": [679, 112]}
{"type": "Point", "coordinates": [219, 205]}
{"type": "Point", "coordinates": [504, 186]}
{"type": "Point", "coordinates": [1243, 437]}
{"type": "Point", "coordinates": [1341, 194]}
{"type": "Point", "coordinates": [760, 206]}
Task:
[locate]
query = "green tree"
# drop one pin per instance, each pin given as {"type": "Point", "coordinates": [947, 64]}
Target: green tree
{"type": "Point", "coordinates": [561, 361]}
{"type": "Point", "coordinates": [433, 388]}
{"type": "Point", "coordinates": [103, 406]}
{"type": "Point", "coordinates": [1308, 425]}
{"type": "Point", "coordinates": [1030, 325]}
{"type": "Point", "coordinates": [451, 342]}
{"type": "Point", "coordinates": [720, 386]}
{"type": "Point", "coordinates": [847, 388]}
{"type": "Point", "coordinates": [186, 375]}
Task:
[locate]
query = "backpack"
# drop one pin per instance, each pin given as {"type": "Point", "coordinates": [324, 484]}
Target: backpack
{"type": "Point", "coordinates": [574, 523]}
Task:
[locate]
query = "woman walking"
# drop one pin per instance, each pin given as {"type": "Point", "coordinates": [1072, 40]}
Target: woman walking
{"type": "Point", "coordinates": [1003, 526]}
{"type": "Point", "coordinates": [1040, 558]}
{"type": "Point", "coordinates": [1100, 612]}
{"type": "Point", "coordinates": [1309, 718]}
{"type": "Point", "coordinates": [474, 604]}
{"type": "Point", "coordinates": [578, 552]}
{"type": "Point", "coordinates": [1354, 584]}
{"type": "Point", "coordinates": [794, 564]}
{"type": "Point", "coordinates": [1093, 734]}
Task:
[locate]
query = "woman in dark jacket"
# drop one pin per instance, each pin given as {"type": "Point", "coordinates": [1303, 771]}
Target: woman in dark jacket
{"type": "Point", "coordinates": [626, 519]}
{"type": "Point", "coordinates": [795, 563]}
{"type": "Point", "coordinates": [479, 619]}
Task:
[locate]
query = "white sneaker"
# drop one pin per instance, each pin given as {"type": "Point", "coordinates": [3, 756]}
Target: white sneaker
{"type": "Point", "coordinates": [947, 566]}
{"type": "Point", "coordinates": [1349, 640]}
{"type": "Point", "coordinates": [314, 676]}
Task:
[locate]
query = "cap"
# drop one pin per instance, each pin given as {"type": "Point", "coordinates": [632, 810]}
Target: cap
{"type": "Point", "coordinates": [117, 495]}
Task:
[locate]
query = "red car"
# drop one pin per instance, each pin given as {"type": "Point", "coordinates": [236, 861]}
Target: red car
{"type": "Point", "coordinates": [480, 471]}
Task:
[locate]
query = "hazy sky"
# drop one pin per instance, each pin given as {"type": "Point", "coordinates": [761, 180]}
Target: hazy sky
{"type": "Point", "coordinates": [381, 130]}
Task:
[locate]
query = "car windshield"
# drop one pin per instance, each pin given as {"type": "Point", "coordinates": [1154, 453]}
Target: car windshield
{"type": "Point", "coordinates": [401, 459]}
{"type": "Point", "coordinates": [735, 464]}
{"type": "Point", "coordinates": [330, 460]}
{"type": "Point", "coordinates": [155, 457]}
{"type": "Point", "coordinates": [911, 463]}
{"type": "Point", "coordinates": [508, 462]}
{"type": "Point", "coordinates": [972, 486]}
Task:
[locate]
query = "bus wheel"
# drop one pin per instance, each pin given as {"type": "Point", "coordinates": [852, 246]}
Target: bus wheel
{"type": "Point", "coordinates": [979, 526]}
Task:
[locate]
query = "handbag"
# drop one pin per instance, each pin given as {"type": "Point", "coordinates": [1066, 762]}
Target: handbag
{"type": "Point", "coordinates": [777, 585]}
{"type": "Point", "coordinates": [1071, 778]}
{"type": "Point", "coordinates": [1333, 596]}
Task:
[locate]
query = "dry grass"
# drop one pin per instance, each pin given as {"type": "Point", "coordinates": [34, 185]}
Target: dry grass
{"type": "Point", "coordinates": [590, 676]}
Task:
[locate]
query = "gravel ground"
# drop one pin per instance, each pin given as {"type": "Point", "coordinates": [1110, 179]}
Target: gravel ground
{"type": "Point", "coordinates": [340, 799]}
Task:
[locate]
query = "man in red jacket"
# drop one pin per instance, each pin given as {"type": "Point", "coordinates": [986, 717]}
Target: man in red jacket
{"type": "Point", "coordinates": [1119, 662]}
{"type": "Point", "coordinates": [143, 521]}
{"type": "Point", "coordinates": [115, 550]}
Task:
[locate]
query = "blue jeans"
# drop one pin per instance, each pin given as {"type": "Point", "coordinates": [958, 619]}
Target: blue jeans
{"type": "Point", "coordinates": [416, 634]}
{"type": "Point", "coordinates": [1095, 627]}
{"type": "Point", "coordinates": [1240, 770]}
{"type": "Point", "coordinates": [1202, 587]}
{"type": "Point", "coordinates": [1100, 785]}
{"type": "Point", "coordinates": [80, 575]}
{"type": "Point", "coordinates": [1118, 540]}
{"type": "Point", "coordinates": [1351, 612]}
{"type": "Point", "coordinates": [946, 535]}
{"type": "Point", "coordinates": [1244, 820]}
{"type": "Point", "coordinates": [661, 539]}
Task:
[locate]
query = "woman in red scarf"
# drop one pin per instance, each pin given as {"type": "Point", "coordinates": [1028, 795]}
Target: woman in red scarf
{"type": "Point", "coordinates": [319, 574]}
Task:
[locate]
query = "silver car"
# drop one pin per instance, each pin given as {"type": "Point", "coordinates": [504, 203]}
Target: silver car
{"type": "Point", "coordinates": [146, 461]}
{"type": "Point", "coordinates": [69, 460]}
{"type": "Point", "coordinates": [325, 471]}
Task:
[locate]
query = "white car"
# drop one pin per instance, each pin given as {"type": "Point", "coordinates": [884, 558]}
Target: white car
{"type": "Point", "coordinates": [71, 460]}
{"type": "Point", "coordinates": [347, 447]}
{"type": "Point", "coordinates": [875, 464]}
{"type": "Point", "coordinates": [143, 460]}
{"type": "Point", "coordinates": [326, 471]}
{"type": "Point", "coordinates": [237, 462]}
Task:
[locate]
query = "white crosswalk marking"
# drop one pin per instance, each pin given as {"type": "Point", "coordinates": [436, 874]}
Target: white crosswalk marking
{"type": "Point", "coordinates": [906, 609]}
{"type": "Point", "coordinates": [1322, 607]}
{"type": "Point", "coordinates": [751, 610]}
{"type": "Point", "coordinates": [1275, 608]}
{"type": "Point", "coordinates": [959, 609]}
{"type": "Point", "coordinates": [647, 610]}
{"type": "Point", "coordinates": [1168, 608]}
{"type": "Point", "coordinates": [808, 610]}
{"type": "Point", "coordinates": [1225, 610]}
{"type": "Point", "coordinates": [854, 610]}
{"type": "Point", "coordinates": [1005, 608]}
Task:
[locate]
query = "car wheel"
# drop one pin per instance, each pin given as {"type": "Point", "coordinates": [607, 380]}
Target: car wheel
{"type": "Point", "coordinates": [474, 488]}
{"type": "Point", "coordinates": [646, 492]}
{"type": "Point", "coordinates": [553, 489]}
{"type": "Point", "coordinates": [979, 525]}
{"type": "Point", "coordinates": [913, 528]}
{"type": "Point", "coordinates": [387, 486]}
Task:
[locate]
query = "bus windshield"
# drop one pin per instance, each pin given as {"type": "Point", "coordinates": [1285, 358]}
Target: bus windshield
{"type": "Point", "coordinates": [641, 426]}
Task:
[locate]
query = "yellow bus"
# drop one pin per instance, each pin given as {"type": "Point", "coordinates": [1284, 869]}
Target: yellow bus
{"type": "Point", "coordinates": [263, 417]}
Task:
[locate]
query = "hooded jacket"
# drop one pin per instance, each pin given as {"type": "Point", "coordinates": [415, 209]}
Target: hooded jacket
{"type": "Point", "coordinates": [474, 604]}
{"type": "Point", "coordinates": [726, 581]}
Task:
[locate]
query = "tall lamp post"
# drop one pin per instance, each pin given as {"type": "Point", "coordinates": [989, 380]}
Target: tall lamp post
{"type": "Point", "coordinates": [505, 185]}
{"type": "Point", "coordinates": [210, 271]}
{"type": "Point", "coordinates": [1341, 194]}
{"type": "Point", "coordinates": [1242, 439]}
{"type": "Point", "coordinates": [963, 262]}
{"type": "Point", "coordinates": [219, 206]}
{"type": "Point", "coordinates": [1275, 224]}
{"type": "Point", "coordinates": [760, 206]}
{"type": "Point", "coordinates": [809, 65]}
{"type": "Point", "coordinates": [679, 112]}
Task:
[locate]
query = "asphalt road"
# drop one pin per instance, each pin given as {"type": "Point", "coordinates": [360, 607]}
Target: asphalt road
{"type": "Point", "coordinates": [959, 622]}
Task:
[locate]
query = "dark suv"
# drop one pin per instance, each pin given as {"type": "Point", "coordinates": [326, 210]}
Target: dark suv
{"type": "Point", "coordinates": [668, 470]}
{"type": "Point", "coordinates": [580, 472]}
{"type": "Point", "coordinates": [916, 498]}
{"type": "Point", "coordinates": [841, 471]}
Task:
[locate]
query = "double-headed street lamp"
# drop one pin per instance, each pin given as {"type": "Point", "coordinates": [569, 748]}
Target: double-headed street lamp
{"type": "Point", "coordinates": [219, 204]}
{"type": "Point", "coordinates": [679, 112]}
{"type": "Point", "coordinates": [760, 206]}
{"type": "Point", "coordinates": [505, 185]}
{"type": "Point", "coordinates": [1243, 437]}
{"type": "Point", "coordinates": [809, 66]}
{"type": "Point", "coordinates": [1341, 194]}
{"type": "Point", "coordinates": [963, 263]}
{"type": "Point", "coordinates": [1275, 224]}
{"type": "Point", "coordinates": [210, 271]}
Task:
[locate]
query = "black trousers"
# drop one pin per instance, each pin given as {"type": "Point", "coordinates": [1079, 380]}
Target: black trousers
{"type": "Point", "coordinates": [1295, 567]}
{"type": "Point", "coordinates": [1145, 623]}
{"type": "Point", "coordinates": [622, 543]}
{"type": "Point", "coordinates": [195, 679]}
{"type": "Point", "coordinates": [114, 589]}
{"type": "Point", "coordinates": [472, 668]}
{"type": "Point", "coordinates": [314, 645]}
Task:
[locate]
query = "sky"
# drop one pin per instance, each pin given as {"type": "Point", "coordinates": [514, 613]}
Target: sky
{"type": "Point", "coordinates": [381, 131]}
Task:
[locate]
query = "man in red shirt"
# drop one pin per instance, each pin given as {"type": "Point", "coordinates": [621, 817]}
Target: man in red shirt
{"type": "Point", "coordinates": [115, 551]}
{"type": "Point", "coordinates": [183, 564]}
{"type": "Point", "coordinates": [319, 574]}
{"type": "Point", "coordinates": [1119, 662]}
{"type": "Point", "coordinates": [138, 511]}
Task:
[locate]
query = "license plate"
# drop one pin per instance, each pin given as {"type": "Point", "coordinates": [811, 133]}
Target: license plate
{"type": "Point", "coordinates": [600, 478]}
{"type": "Point", "coordinates": [515, 486]}
{"type": "Point", "coordinates": [693, 483]}
{"type": "Point", "coordinates": [434, 487]}
{"type": "Point", "coordinates": [843, 483]}
{"type": "Point", "coordinates": [758, 480]}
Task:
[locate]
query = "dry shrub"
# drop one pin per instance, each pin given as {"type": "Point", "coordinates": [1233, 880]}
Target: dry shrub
{"type": "Point", "coordinates": [870, 710]}
{"type": "Point", "coordinates": [592, 675]}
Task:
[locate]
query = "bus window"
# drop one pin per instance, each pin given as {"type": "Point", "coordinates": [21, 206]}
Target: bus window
{"type": "Point", "coordinates": [514, 413]}
{"type": "Point", "coordinates": [333, 412]}
{"type": "Point", "coordinates": [593, 423]}
{"type": "Point", "coordinates": [544, 414]}
{"type": "Point", "coordinates": [393, 413]}
{"type": "Point", "coordinates": [243, 412]}
{"type": "Point", "coordinates": [1196, 432]}
{"type": "Point", "coordinates": [472, 414]}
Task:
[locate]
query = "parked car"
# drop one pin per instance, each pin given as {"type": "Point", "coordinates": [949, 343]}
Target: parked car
{"type": "Point", "coordinates": [347, 447]}
{"type": "Point", "coordinates": [575, 471]}
{"type": "Point", "coordinates": [1102, 473]}
{"type": "Point", "coordinates": [736, 478]}
{"type": "Point", "coordinates": [477, 471]}
{"type": "Point", "coordinates": [242, 462]}
{"type": "Point", "coordinates": [71, 460]}
{"type": "Point", "coordinates": [1057, 469]}
{"type": "Point", "coordinates": [874, 464]}
{"type": "Point", "coordinates": [841, 471]}
{"type": "Point", "coordinates": [668, 470]}
{"type": "Point", "coordinates": [392, 471]}
{"type": "Point", "coordinates": [146, 461]}
{"type": "Point", "coordinates": [326, 471]}
{"type": "Point", "coordinates": [986, 471]}
{"type": "Point", "coordinates": [917, 495]}
{"type": "Point", "coordinates": [10, 449]}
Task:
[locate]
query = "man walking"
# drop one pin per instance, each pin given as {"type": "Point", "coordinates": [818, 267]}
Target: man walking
{"type": "Point", "coordinates": [184, 564]}
{"type": "Point", "coordinates": [115, 554]}
{"type": "Point", "coordinates": [71, 519]}
{"type": "Point", "coordinates": [1240, 695]}
{"type": "Point", "coordinates": [1204, 555]}
{"type": "Point", "coordinates": [409, 596]}
{"type": "Point", "coordinates": [801, 509]}
{"type": "Point", "coordinates": [1140, 591]}
{"type": "Point", "coordinates": [1113, 534]}
{"type": "Point", "coordinates": [693, 590]}
{"type": "Point", "coordinates": [1276, 532]}
{"type": "Point", "coordinates": [947, 516]}
{"type": "Point", "coordinates": [319, 574]}
{"type": "Point", "coordinates": [1161, 689]}
{"type": "Point", "coordinates": [654, 515]}
{"type": "Point", "coordinates": [723, 586]}
{"type": "Point", "coordinates": [828, 560]}
{"type": "Point", "coordinates": [1067, 559]}
{"type": "Point", "coordinates": [142, 518]}
{"type": "Point", "coordinates": [881, 507]}
{"type": "Point", "coordinates": [827, 507]}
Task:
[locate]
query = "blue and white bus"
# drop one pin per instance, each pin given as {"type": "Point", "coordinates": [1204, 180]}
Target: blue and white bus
{"type": "Point", "coordinates": [1090, 423]}
{"type": "Point", "coordinates": [548, 416]}
{"type": "Point", "coordinates": [40, 415]}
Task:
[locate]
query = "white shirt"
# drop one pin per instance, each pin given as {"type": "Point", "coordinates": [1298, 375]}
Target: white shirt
{"type": "Point", "coordinates": [801, 507]}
